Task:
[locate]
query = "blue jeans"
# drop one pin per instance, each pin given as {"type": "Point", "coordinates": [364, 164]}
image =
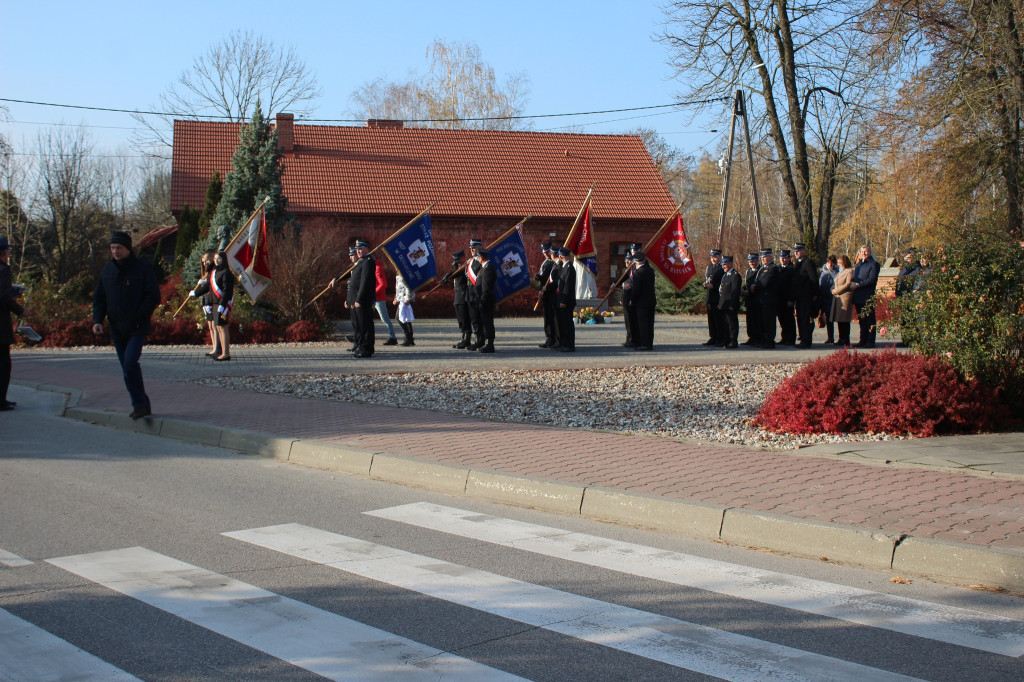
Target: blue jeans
{"type": "Point", "coordinates": [128, 353]}
{"type": "Point", "coordinates": [382, 310]}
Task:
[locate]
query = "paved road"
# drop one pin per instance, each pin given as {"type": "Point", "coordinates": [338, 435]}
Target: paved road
{"type": "Point", "coordinates": [124, 555]}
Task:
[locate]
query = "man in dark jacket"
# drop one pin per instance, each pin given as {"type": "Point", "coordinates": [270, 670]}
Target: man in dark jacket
{"type": "Point", "coordinates": [753, 314]}
{"type": "Point", "coordinates": [805, 294]}
{"type": "Point", "coordinates": [764, 291]}
{"type": "Point", "coordinates": [363, 296]}
{"type": "Point", "coordinates": [473, 304]}
{"type": "Point", "coordinates": [642, 300]}
{"type": "Point", "coordinates": [550, 314]}
{"type": "Point", "coordinates": [905, 279]}
{"type": "Point", "coordinates": [784, 299]}
{"type": "Point", "coordinates": [712, 279]}
{"type": "Point", "coordinates": [863, 283]}
{"type": "Point", "coordinates": [566, 297]}
{"type": "Point", "coordinates": [126, 295]}
{"type": "Point", "coordinates": [628, 311]}
{"type": "Point", "coordinates": [459, 300]}
{"type": "Point", "coordinates": [8, 304]}
{"type": "Point", "coordinates": [486, 300]}
{"type": "Point", "coordinates": [729, 301]}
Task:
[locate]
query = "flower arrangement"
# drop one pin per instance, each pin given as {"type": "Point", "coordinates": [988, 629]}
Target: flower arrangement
{"type": "Point", "coordinates": [591, 315]}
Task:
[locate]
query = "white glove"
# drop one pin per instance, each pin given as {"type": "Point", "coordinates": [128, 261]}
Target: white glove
{"type": "Point", "coordinates": [207, 309]}
{"type": "Point", "coordinates": [191, 294]}
{"type": "Point", "coordinates": [221, 309]}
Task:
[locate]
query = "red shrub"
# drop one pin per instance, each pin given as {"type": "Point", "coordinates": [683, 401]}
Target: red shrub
{"type": "Point", "coordinates": [258, 332]}
{"type": "Point", "coordinates": [176, 332]}
{"type": "Point", "coordinates": [886, 392]}
{"type": "Point", "coordinates": [303, 331]}
{"type": "Point", "coordinates": [63, 334]}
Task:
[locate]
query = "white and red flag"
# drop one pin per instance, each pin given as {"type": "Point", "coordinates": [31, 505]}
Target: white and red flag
{"type": "Point", "coordinates": [248, 255]}
{"type": "Point", "coordinates": [669, 254]}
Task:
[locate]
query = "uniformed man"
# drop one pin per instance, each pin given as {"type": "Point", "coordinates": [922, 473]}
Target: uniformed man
{"type": "Point", "coordinates": [457, 275]}
{"type": "Point", "coordinates": [349, 300]}
{"type": "Point", "coordinates": [712, 280]}
{"type": "Point", "coordinates": [486, 279]}
{"type": "Point", "coordinates": [550, 295]}
{"type": "Point", "coordinates": [753, 315]}
{"type": "Point", "coordinates": [784, 299]}
{"type": "Point", "coordinates": [566, 297]}
{"type": "Point", "coordinates": [643, 300]}
{"type": "Point", "coordinates": [472, 303]}
{"type": "Point", "coordinates": [729, 301]}
{"type": "Point", "coordinates": [363, 293]}
{"type": "Point", "coordinates": [804, 294]}
{"type": "Point", "coordinates": [627, 311]}
{"type": "Point", "coordinates": [764, 291]}
{"type": "Point", "coordinates": [543, 277]}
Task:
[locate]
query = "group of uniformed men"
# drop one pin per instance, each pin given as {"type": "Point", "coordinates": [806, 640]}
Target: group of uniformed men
{"type": "Point", "coordinates": [787, 293]}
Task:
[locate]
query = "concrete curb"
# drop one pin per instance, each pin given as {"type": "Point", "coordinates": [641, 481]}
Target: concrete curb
{"type": "Point", "coordinates": [814, 539]}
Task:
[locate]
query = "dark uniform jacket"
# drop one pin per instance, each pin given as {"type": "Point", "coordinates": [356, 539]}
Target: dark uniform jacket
{"type": "Point", "coordinates": [127, 294]}
{"type": "Point", "coordinates": [642, 294]}
{"type": "Point", "coordinates": [805, 281]}
{"type": "Point", "coordinates": [748, 281]}
{"type": "Point", "coordinates": [363, 287]}
{"type": "Point", "coordinates": [544, 274]}
{"type": "Point", "coordinates": [784, 284]}
{"type": "Point", "coordinates": [713, 275]}
{"type": "Point", "coordinates": [729, 291]}
{"type": "Point", "coordinates": [567, 286]}
{"type": "Point", "coordinates": [471, 289]}
{"type": "Point", "coordinates": [8, 304]}
{"type": "Point", "coordinates": [485, 282]}
{"type": "Point", "coordinates": [765, 284]}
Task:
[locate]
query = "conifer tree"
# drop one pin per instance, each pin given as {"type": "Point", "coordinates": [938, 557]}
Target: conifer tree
{"type": "Point", "coordinates": [188, 234]}
{"type": "Point", "coordinates": [214, 191]}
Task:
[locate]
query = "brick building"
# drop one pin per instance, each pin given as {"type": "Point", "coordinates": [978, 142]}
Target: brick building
{"type": "Point", "coordinates": [369, 180]}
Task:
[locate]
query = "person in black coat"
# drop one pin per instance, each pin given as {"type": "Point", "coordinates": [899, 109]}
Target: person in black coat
{"type": "Point", "coordinates": [642, 300]}
{"type": "Point", "coordinates": [485, 282]}
{"type": "Point", "coordinates": [764, 291]}
{"type": "Point", "coordinates": [457, 275]}
{"type": "Point", "coordinates": [804, 294]}
{"type": "Point", "coordinates": [712, 280]}
{"type": "Point", "coordinates": [729, 301]}
{"type": "Point", "coordinates": [550, 298]}
{"type": "Point", "coordinates": [863, 283]}
{"type": "Point", "coordinates": [543, 277]}
{"type": "Point", "coordinates": [218, 295]}
{"type": "Point", "coordinates": [566, 297]}
{"type": "Point", "coordinates": [753, 314]}
{"type": "Point", "coordinates": [126, 295]}
{"type": "Point", "coordinates": [784, 299]}
{"type": "Point", "coordinates": [905, 278]}
{"type": "Point", "coordinates": [363, 296]}
{"type": "Point", "coordinates": [8, 304]}
{"type": "Point", "coordinates": [473, 304]}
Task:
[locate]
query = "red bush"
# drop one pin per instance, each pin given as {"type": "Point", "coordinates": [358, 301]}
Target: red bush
{"type": "Point", "coordinates": [175, 332]}
{"type": "Point", "coordinates": [64, 334]}
{"type": "Point", "coordinates": [257, 332]}
{"type": "Point", "coordinates": [302, 331]}
{"type": "Point", "coordinates": [886, 392]}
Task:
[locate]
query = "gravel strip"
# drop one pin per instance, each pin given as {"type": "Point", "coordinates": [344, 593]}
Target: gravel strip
{"type": "Point", "coordinates": [707, 403]}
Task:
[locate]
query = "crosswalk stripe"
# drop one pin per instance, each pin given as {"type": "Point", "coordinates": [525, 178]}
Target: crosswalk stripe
{"type": "Point", "coordinates": [938, 622]}
{"type": "Point", "coordinates": [28, 652]}
{"type": "Point", "coordinates": [316, 640]}
{"type": "Point", "coordinates": [686, 645]}
{"type": "Point", "coordinates": [12, 560]}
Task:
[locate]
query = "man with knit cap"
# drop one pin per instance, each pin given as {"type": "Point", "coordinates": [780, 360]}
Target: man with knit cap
{"type": "Point", "coordinates": [126, 295]}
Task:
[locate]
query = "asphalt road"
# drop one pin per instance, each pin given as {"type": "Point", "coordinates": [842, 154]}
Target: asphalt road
{"type": "Point", "coordinates": [124, 554]}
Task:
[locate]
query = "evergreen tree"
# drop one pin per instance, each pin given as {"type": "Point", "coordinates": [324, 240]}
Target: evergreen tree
{"type": "Point", "coordinates": [255, 174]}
{"type": "Point", "coordinates": [214, 191]}
{"type": "Point", "coordinates": [188, 234]}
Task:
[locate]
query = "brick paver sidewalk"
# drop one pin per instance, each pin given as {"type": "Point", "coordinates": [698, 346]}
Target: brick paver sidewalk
{"type": "Point", "coordinates": [919, 502]}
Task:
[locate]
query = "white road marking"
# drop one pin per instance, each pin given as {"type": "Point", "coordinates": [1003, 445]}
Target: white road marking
{"type": "Point", "coordinates": [322, 642]}
{"type": "Point", "coordinates": [12, 560]}
{"type": "Point", "coordinates": [28, 652]}
{"type": "Point", "coordinates": [678, 643]}
{"type": "Point", "coordinates": [948, 624]}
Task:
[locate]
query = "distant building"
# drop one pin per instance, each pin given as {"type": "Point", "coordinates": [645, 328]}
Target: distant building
{"type": "Point", "coordinates": [369, 180]}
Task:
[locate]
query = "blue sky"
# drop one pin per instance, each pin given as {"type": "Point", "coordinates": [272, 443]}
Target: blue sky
{"type": "Point", "coordinates": [577, 56]}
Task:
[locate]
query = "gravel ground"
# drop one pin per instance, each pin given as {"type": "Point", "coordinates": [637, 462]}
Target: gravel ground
{"type": "Point", "coordinates": [707, 403]}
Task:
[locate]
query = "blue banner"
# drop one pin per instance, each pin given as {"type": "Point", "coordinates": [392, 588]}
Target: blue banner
{"type": "Point", "coordinates": [412, 253]}
{"type": "Point", "coordinates": [509, 257]}
{"type": "Point", "coordinates": [590, 263]}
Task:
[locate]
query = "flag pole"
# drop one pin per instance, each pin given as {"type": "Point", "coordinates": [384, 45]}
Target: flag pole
{"type": "Point", "coordinates": [372, 251]}
{"type": "Point", "coordinates": [440, 284]}
{"type": "Point", "coordinates": [249, 220]}
{"type": "Point", "coordinates": [650, 241]}
{"type": "Point", "coordinates": [180, 307]}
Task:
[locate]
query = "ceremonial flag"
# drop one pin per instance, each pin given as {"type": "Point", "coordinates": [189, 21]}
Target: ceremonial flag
{"type": "Point", "coordinates": [411, 251]}
{"type": "Point", "coordinates": [581, 238]}
{"type": "Point", "coordinates": [248, 256]}
{"type": "Point", "coordinates": [509, 256]}
{"type": "Point", "coordinates": [669, 254]}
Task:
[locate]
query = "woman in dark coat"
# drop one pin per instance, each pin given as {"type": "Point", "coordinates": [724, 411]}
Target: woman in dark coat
{"type": "Point", "coordinates": [208, 300]}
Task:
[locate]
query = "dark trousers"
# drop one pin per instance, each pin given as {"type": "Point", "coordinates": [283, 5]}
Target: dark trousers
{"type": "Point", "coordinates": [716, 327]}
{"type": "Point", "coordinates": [768, 324]}
{"type": "Point", "coordinates": [867, 324]}
{"type": "Point", "coordinates": [844, 333]}
{"type": "Point", "coordinates": [353, 317]}
{"type": "Point", "coordinates": [753, 323]}
{"type": "Point", "coordinates": [629, 322]}
{"type": "Point", "coordinates": [129, 351]}
{"type": "Point", "coordinates": [365, 334]}
{"type": "Point", "coordinates": [644, 327]}
{"type": "Point", "coordinates": [787, 323]}
{"type": "Point", "coordinates": [732, 326]}
{"type": "Point", "coordinates": [486, 313]}
{"type": "Point", "coordinates": [805, 320]}
{"type": "Point", "coordinates": [566, 329]}
{"type": "Point", "coordinates": [550, 321]}
{"type": "Point", "coordinates": [473, 308]}
{"type": "Point", "coordinates": [462, 315]}
{"type": "Point", "coordinates": [5, 370]}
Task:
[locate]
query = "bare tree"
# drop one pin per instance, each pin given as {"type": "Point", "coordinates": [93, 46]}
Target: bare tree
{"type": "Point", "coordinates": [803, 61]}
{"type": "Point", "coordinates": [226, 82]}
{"type": "Point", "coordinates": [457, 91]}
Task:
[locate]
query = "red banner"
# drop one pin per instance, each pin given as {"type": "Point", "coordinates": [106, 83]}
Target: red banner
{"type": "Point", "coordinates": [581, 239]}
{"type": "Point", "coordinates": [670, 255]}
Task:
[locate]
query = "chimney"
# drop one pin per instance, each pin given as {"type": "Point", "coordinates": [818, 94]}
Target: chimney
{"type": "Point", "coordinates": [286, 132]}
{"type": "Point", "coordinates": [384, 123]}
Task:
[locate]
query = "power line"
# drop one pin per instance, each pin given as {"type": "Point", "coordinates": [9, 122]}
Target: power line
{"type": "Point", "coordinates": [359, 120]}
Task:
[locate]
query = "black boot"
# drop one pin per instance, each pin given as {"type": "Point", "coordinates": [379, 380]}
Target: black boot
{"type": "Point", "coordinates": [407, 328]}
{"type": "Point", "coordinates": [461, 345]}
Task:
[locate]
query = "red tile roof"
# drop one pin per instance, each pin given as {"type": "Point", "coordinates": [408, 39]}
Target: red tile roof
{"type": "Point", "coordinates": [153, 236]}
{"type": "Point", "coordinates": [367, 171]}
